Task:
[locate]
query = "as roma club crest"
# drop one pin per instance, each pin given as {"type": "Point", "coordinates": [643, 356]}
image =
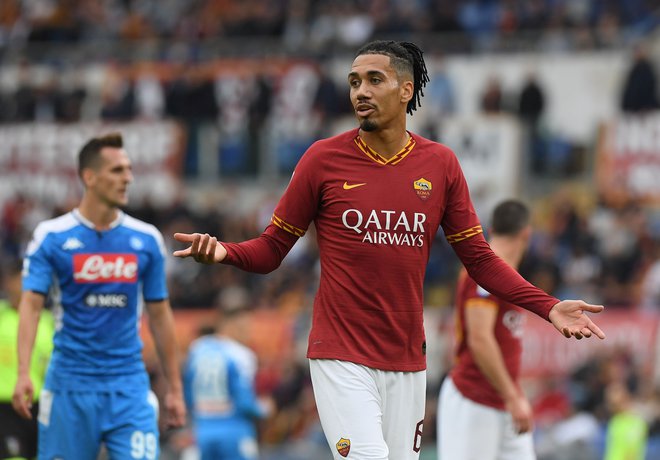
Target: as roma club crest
{"type": "Point", "coordinates": [422, 188]}
{"type": "Point", "coordinates": [343, 447]}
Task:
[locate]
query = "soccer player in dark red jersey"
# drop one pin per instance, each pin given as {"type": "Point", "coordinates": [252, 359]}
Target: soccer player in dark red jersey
{"type": "Point", "coordinates": [481, 398]}
{"type": "Point", "coordinates": [377, 195]}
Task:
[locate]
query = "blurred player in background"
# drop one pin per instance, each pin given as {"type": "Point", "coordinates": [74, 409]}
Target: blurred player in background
{"type": "Point", "coordinates": [377, 195]}
{"type": "Point", "coordinates": [481, 398]}
{"type": "Point", "coordinates": [219, 389]}
{"type": "Point", "coordinates": [98, 265]}
{"type": "Point", "coordinates": [627, 431]}
{"type": "Point", "coordinates": [18, 436]}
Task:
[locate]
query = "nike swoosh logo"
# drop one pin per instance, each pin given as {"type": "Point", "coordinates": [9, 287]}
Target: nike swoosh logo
{"type": "Point", "coordinates": [348, 187]}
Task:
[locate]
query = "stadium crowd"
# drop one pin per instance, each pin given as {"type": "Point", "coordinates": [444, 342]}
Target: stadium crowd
{"type": "Point", "coordinates": [316, 23]}
{"type": "Point", "coordinates": [604, 249]}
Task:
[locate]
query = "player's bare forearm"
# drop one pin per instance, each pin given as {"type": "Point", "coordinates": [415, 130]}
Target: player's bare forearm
{"type": "Point", "coordinates": [29, 311]}
{"type": "Point", "coordinates": [161, 324]}
{"type": "Point", "coordinates": [488, 357]}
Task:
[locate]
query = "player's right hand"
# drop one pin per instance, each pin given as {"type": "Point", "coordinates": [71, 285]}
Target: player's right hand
{"type": "Point", "coordinates": [521, 412]}
{"type": "Point", "coordinates": [204, 248]}
{"type": "Point", "coordinates": [23, 396]}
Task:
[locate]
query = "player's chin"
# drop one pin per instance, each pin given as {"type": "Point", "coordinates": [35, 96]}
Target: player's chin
{"type": "Point", "coordinates": [121, 201]}
{"type": "Point", "coordinates": [368, 125]}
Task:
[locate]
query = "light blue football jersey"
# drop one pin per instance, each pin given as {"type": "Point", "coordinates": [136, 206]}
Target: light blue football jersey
{"type": "Point", "coordinates": [219, 381]}
{"type": "Point", "coordinates": [97, 282]}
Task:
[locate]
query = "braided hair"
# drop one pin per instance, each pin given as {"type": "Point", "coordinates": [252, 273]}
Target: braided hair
{"type": "Point", "coordinates": [405, 58]}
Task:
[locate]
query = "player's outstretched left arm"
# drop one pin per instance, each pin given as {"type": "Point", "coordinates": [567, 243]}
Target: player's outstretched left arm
{"type": "Point", "coordinates": [569, 317]}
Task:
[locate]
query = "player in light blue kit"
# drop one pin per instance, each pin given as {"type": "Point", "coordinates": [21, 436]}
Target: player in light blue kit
{"type": "Point", "coordinates": [219, 389]}
{"type": "Point", "coordinates": [98, 266]}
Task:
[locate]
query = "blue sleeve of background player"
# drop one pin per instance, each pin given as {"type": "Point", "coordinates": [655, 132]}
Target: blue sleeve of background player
{"type": "Point", "coordinates": [155, 287]}
{"type": "Point", "coordinates": [242, 393]}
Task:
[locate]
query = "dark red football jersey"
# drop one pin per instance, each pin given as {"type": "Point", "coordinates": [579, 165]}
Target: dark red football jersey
{"type": "Point", "coordinates": [508, 332]}
{"type": "Point", "coordinates": [375, 221]}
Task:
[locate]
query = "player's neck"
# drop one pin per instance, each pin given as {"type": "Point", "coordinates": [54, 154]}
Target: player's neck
{"type": "Point", "coordinates": [99, 214]}
{"type": "Point", "coordinates": [387, 142]}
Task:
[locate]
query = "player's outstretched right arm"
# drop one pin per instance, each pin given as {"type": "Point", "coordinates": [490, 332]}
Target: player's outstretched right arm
{"type": "Point", "coordinates": [29, 310]}
{"type": "Point", "coordinates": [262, 254]}
{"type": "Point", "coordinates": [204, 248]}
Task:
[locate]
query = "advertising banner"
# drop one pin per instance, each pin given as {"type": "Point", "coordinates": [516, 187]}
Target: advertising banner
{"type": "Point", "coordinates": [39, 160]}
{"type": "Point", "coordinates": [628, 158]}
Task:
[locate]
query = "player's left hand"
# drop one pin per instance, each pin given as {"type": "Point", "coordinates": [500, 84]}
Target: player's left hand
{"type": "Point", "coordinates": [569, 317]}
{"type": "Point", "coordinates": [175, 410]}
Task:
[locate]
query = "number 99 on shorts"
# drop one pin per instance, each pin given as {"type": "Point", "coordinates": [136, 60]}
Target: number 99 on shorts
{"type": "Point", "coordinates": [144, 445]}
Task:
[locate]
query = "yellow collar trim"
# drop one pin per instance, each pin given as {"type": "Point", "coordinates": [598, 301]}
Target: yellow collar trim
{"type": "Point", "coordinates": [378, 158]}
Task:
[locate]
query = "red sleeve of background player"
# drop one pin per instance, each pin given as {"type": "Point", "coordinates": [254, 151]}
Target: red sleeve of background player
{"type": "Point", "coordinates": [293, 214]}
{"type": "Point", "coordinates": [465, 234]}
{"type": "Point", "coordinates": [498, 278]}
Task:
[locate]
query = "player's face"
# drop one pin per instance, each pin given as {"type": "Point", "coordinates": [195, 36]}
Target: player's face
{"type": "Point", "coordinates": [110, 181]}
{"type": "Point", "coordinates": [377, 95]}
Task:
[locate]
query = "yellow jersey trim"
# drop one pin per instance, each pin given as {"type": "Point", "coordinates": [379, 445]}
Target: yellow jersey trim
{"type": "Point", "coordinates": [378, 158]}
{"type": "Point", "coordinates": [475, 302]}
{"type": "Point", "coordinates": [287, 227]}
{"type": "Point", "coordinates": [465, 234]}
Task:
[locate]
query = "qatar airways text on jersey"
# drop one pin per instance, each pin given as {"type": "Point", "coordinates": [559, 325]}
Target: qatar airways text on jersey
{"type": "Point", "coordinates": [383, 226]}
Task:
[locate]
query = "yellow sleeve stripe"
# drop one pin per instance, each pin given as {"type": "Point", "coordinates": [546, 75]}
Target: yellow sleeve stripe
{"type": "Point", "coordinates": [475, 302]}
{"type": "Point", "coordinates": [287, 227]}
{"type": "Point", "coordinates": [465, 234]}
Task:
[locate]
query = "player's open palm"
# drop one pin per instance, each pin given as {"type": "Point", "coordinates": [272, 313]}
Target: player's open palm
{"type": "Point", "coordinates": [23, 396]}
{"type": "Point", "coordinates": [569, 317]}
{"type": "Point", "coordinates": [521, 413]}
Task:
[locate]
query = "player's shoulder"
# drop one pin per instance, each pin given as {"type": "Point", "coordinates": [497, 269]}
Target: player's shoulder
{"type": "Point", "coordinates": [240, 350]}
{"type": "Point", "coordinates": [332, 144]}
{"type": "Point", "coordinates": [202, 342]}
{"type": "Point", "coordinates": [139, 226]}
{"type": "Point", "coordinates": [61, 224]}
{"type": "Point", "coordinates": [434, 148]}
{"type": "Point", "coordinates": [470, 289]}
{"type": "Point", "coordinates": [58, 224]}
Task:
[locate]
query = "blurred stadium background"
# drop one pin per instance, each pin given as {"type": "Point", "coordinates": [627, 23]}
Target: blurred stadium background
{"type": "Point", "coordinates": [551, 101]}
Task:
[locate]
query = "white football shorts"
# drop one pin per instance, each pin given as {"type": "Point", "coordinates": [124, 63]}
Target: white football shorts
{"type": "Point", "coordinates": [471, 431]}
{"type": "Point", "coordinates": [369, 414]}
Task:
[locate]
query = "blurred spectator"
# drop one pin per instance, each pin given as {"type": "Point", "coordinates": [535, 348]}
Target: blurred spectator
{"type": "Point", "coordinates": [573, 437]}
{"type": "Point", "coordinates": [18, 436]}
{"type": "Point", "coordinates": [491, 98]}
{"type": "Point", "coordinates": [441, 102]}
{"type": "Point", "coordinates": [640, 91]}
{"type": "Point", "coordinates": [627, 431]}
{"type": "Point", "coordinates": [117, 95]}
{"type": "Point", "coordinates": [149, 94]}
{"type": "Point", "coordinates": [531, 104]}
{"type": "Point", "coordinates": [650, 296]}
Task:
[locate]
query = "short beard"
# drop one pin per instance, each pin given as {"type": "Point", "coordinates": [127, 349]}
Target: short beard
{"type": "Point", "coordinates": [368, 126]}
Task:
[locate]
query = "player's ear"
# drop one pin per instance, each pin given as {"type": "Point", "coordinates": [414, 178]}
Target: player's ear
{"type": "Point", "coordinates": [87, 176]}
{"type": "Point", "coordinates": [407, 91]}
